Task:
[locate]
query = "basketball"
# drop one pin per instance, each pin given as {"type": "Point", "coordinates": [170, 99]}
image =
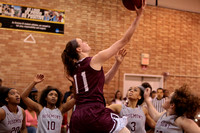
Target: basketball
{"type": "Point", "coordinates": [130, 4]}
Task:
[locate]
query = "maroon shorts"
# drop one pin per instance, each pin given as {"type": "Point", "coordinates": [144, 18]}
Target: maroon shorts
{"type": "Point", "coordinates": [92, 118]}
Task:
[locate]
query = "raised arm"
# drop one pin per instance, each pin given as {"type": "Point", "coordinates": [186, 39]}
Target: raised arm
{"type": "Point", "coordinates": [118, 60]}
{"type": "Point", "coordinates": [152, 111]}
{"type": "Point", "coordinates": [29, 102]}
{"type": "Point", "coordinates": [104, 55]}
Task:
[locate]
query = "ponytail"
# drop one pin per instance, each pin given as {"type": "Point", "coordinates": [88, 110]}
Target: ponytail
{"type": "Point", "coordinates": [70, 56]}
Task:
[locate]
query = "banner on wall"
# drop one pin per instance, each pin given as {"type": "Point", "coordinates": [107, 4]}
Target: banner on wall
{"type": "Point", "coordinates": [31, 19]}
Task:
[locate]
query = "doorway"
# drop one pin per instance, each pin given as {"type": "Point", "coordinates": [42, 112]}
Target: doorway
{"type": "Point", "coordinates": [156, 81]}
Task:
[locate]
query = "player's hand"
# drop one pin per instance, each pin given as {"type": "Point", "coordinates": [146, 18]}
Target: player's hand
{"type": "Point", "coordinates": [147, 93]}
{"type": "Point", "coordinates": [140, 10]}
{"type": "Point", "coordinates": [39, 78]}
{"type": "Point", "coordinates": [120, 55]}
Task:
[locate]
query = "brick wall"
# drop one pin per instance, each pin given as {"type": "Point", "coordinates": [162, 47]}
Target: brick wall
{"type": "Point", "coordinates": [171, 38]}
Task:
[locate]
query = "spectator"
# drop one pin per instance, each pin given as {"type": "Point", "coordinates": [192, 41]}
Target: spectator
{"type": "Point", "coordinates": [166, 93]}
{"type": "Point", "coordinates": [31, 117]}
{"type": "Point", "coordinates": [67, 94]}
{"type": "Point", "coordinates": [153, 94]}
{"type": "Point", "coordinates": [118, 98]}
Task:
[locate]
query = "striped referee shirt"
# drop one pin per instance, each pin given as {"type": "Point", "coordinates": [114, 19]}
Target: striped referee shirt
{"type": "Point", "coordinates": [158, 104]}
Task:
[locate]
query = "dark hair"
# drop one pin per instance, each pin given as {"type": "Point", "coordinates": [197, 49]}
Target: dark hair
{"type": "Point", "coordinates": [153, 92]}
{"type": "Point", "coordinates": [185, 102]}
{"type": "Point", "coordinates": [44, 94]}
{"type": "Point", "coordinates": [160, 89]}
{"type": "Point", "coordinates": [4, 94]}
{"type": "Point", "coordinates": [31, 96]}
{"type": "Point", "coordinates": [165, 91]}
{"type": "Point", "coordinates": [140, 101]}
{"type": "Point", "coordinates": [116, 96]}
{"type": "Point", "coordinates": [69, 56]}
{"type": "Point", "coordinates": [67, 94]}
{"type": "Point", "coordinates": [146, 85]}
{"type": "Point", "coordinates": [0, 80]}
{"type": "Point", "coordinates": [142, 88]}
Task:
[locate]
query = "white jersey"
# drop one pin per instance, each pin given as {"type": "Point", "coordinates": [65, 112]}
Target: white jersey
{"type": "Point", "coordinates": [49, 121]}
{"type": "Point", "coordinates": [158, 104]}
{"type": "Point", "coordinates": [12, 122]}
{"type": "Point", "coordinates": [166, 124]}
{"type": "Point", "coordinates": [136, 119]}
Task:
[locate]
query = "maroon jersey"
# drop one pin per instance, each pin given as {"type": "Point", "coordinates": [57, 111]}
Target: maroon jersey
{"type": "Point", "coordinates": [89, 83]}
{"type": "Point", "coordinates": [90, 114]}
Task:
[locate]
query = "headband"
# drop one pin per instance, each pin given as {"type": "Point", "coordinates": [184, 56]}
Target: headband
{"type": "Point", "coordinates": [141, 88]}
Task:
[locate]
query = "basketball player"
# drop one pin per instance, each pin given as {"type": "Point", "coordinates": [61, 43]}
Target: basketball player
{"type": "Point", "coordinates": [137, 115]}
{"type": "Point", "coordinates": [49, 111]}
{"type": "Point", "coordinates": [12, 116]}
{"type": "Point", "coordinates": [180, 106]}
{"type": "Point", "coordinates": [90, 114]}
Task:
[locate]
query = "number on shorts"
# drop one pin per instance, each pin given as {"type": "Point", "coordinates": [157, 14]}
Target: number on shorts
{"type": "Point", "coordinates": [133, 126]}
{"type": "Point", "coordinates": [83, 75]}
{"type": "Point", "coordinates": [51, 125]}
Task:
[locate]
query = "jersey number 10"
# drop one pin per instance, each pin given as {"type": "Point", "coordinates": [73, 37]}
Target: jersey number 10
{"type": "Point", "coordinates": [51, 125]}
